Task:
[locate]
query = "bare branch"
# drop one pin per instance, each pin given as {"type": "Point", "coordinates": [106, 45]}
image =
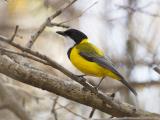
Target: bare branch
{"type": "Point", "coordinates": [139, 9]}
{"type": "Point", "coordinates": [53, 108]}
{"type": "Point", "coordinates": [64, 106]}
{"type": "Point", "coordinates": [76, 17]}
{"type": "Point", "coordinates": [157, 69]}
{"type": "Point", "coordinates": [74, 92]}
{"type": "Point", "coordinates": [15, 32]}
{"type": "Point", "coordinates": [24, 55]}
{"type": "Point", "coordinates": [78, 115]}
{"type": "Point", "coordinates": [92, 112]}
{"type": "Point", "coordinates": [57, 24]}
{"type": "Point", "coordinates": [105, 100]}
{"type": "Point", "coordinates": [47, 22]}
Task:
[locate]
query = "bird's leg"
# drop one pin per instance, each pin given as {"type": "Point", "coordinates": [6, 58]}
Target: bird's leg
{"type": "Point", "coordinates": [96, 87]}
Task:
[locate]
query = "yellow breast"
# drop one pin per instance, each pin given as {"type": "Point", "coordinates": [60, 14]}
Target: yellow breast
{"type": "Point", "coordinates": [87, 67]}
{"type": "Point", "coordinates": [83, 65]}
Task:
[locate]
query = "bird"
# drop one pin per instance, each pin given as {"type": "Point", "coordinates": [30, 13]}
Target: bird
{"type": "Point", "coordinates": [91, 60]}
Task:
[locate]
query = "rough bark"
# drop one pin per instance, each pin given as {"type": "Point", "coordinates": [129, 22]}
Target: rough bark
{"type": "Point", "coordinates": [66, 89]}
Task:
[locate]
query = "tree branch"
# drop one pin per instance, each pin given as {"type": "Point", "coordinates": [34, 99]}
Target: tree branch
{"type": "Point", "coordinates": [67, 89]}
{"type": "Point", "coordinates": [46, 23]}
{"type": "Point", "coordinates": [138, 9]}
{"type": "Point", "coordinates": [54, 112]}
{"type": "Point", "coordinates": [82, 81]}
{"type": "Point", "coordinates": [157, 69]}
{"type": "Point", "coordinates": [78, 115]}
{"type": "Point", "coordinates": [57, 24]}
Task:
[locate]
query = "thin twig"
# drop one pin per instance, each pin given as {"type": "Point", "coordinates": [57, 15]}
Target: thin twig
{"type": "Point", "coordinates": [92, 112]}
{"type": "Point", "coordinates": [14, 34]}
{"type": "Point", "coordinates": [57, 25]}
{"type": "Point", "coordinates": [64, 106]}
{"type": "Point", "coordinates": [47, 22]}
{"type": "Point", "coordinates": [24, 55]}
{"type": "Point", "coordinates": [157, 69]}
{"type": "Point", "coordinates": [53, 108]}
{"type": "Point", "coordinates": [65, 26]}
{"type": "Point", "coordinates": [76, 17]}
{"type": "Point", "coordinates": [78, 115]}
{"type": "Point", "coordinates": [138, 10]}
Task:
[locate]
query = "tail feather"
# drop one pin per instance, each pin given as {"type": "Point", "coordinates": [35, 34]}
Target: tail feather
{"type": "Point", "coordinates": [129, 86]}
{"type": "Point", "coordinates": [122, 79]}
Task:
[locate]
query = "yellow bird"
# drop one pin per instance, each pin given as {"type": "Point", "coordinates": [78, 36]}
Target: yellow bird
{"type": "Point", "coordinates": [91, 60]}
{"type": "Point", "coordinates": [17, 6]}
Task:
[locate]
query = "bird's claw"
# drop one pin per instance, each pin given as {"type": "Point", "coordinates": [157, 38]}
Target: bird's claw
{"type": "Point", "coordinates": [81, 76]}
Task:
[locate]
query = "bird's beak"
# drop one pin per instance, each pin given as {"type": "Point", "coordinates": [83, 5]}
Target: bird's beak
{"type": "Point", "coordinates": [61, 33]}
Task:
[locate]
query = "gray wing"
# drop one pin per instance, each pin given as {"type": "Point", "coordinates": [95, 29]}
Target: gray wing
{"type": "Point", "coordinates": [100, 60]}
{"type": "Point", "coordinates": [104, 62]}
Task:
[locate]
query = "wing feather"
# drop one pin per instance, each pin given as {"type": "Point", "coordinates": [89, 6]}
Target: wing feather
{"type": "Point", "coordinates": [91, 53]}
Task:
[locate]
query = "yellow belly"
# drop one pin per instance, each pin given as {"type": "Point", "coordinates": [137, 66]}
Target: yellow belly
{"type": "Point", "coordinates": [89, 68]}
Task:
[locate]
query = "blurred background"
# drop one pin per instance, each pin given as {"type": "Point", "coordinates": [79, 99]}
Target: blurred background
{"type": "Point", "coordinates": [126, 30]}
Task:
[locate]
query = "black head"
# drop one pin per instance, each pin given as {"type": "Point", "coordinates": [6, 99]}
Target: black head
{"type": "Point", "coordinates": [74, 34]}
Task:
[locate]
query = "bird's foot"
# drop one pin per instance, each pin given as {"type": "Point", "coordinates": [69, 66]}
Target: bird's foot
{"type": "Point", "coordinates": [81, 76]}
